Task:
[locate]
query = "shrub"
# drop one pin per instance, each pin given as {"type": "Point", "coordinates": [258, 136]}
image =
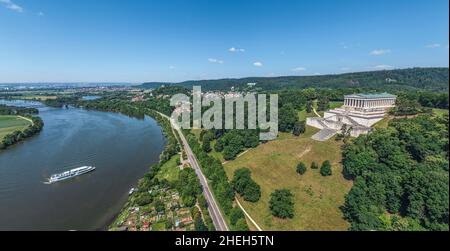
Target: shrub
{"type": "Point", "coordinates": [245, 186]}
{"type": "Point", "coordinates": [301, 168]}
{"type": "Point", "coordinates": [325, 170]}
{"type": "Point", "coordinates": [281, 204]}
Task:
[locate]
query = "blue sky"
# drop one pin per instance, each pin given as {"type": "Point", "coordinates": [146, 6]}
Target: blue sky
{"type": "Point", "coordinates": [167, 40]}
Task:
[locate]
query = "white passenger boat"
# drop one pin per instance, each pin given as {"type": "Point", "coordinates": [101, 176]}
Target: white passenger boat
{"type": "Point", "coordinates": [70, 174]}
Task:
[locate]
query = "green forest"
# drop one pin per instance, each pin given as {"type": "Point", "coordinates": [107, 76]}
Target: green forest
{"type": "Point", "coordinates": [400, 176]}
{"type": "Point", "coordinates": [431, 79]}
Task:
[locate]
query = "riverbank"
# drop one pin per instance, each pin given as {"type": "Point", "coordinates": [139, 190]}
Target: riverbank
{"type": "Point", "coordinates": [18, 124]}
{"type": "Point", "coordinates": [159, 203]}
{"type": "Point", "coordinates": [121, 148]}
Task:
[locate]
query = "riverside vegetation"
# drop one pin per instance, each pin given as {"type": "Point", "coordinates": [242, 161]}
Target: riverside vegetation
{"type": "Point", "coordinates": [17, 124]}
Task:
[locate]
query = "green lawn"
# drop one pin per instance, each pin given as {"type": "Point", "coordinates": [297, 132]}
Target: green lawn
{"type": "Point", "coordinates": [383, 123]}
{"type": "Point", "coordinates": [303, 115]}
{"type": "Point", "coordinates": [440, 112]}
{"type": "Point", "coordinates": [9, 124]}
{"type": "Point", "coordinates": [317, 198]}
{"type": "Point", "coordinates": [336, 104]}
{"type": "Point", "coordinates": [170, 170]}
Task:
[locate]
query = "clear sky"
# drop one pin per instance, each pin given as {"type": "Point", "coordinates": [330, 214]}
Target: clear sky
{"type": "Point", "coordinates": [168, 40]}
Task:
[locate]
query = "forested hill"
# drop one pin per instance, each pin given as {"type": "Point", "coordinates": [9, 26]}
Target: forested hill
{"type": "Point", "coordinates": [431, 79]}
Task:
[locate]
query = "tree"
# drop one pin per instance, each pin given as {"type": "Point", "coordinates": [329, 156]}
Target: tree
{"type": "Point", "coordinates": [241, 225]}
{"type": "Point", "coordinates": [299, 128]}
{"type": "Point", "coordinates": [301, 168]}
{"type": "Point", "coordinates": [323, 103]}
{"type": "Point", "coordinates": [206, 146]}
{"type": "Point", "coordinates": [236, 214]}
{"type": "Point", "coordinates": [325, 170]}
{"type": "Point", "coordinates": [344, 134]}
{"type": "Point", "coordinates": [199, 224]}
{"type": "Point", "coordinates": [287, 118]}
{"type": "Point", "coordinates": [281, 204]}
{"type": "Point", "coordinates": [159, 206]}
{"type": "Point", "coordinates": [202, 201]}
{"type": "Point", "coordinates": [252, 192]}
{"type": "Point", "coordinates": [219, 146]}
{"type": "Point", "coordinates": [240, 179]}
{"type": "Point", "coordinates": [406, 106]}
{"type": "Point", "coordinates": [144, 199]}
{"type": "Point", "coordinates": [245, 186]}
{"type": "Point", "coordinates": [400, 178]}
{"type": "Point", "coordinates": [314, 165]}
{"type": "Point", "coordinates": [309, 106]}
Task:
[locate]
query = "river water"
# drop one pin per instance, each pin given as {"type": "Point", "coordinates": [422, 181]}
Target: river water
{"type": "Point", "coordinates": [120, 147]}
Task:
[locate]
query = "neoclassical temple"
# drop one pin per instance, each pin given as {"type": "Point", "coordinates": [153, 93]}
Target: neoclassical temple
{"type": "Point", "coordinates": [360, 112]}
{"type": "Point", "coordinates": [370, 101]}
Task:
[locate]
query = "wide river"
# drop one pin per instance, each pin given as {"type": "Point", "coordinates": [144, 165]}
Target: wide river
{"type": "Point", "coordinates": [120, 147]}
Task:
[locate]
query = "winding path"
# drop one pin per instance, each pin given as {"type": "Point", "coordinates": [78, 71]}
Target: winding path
{"type": "Point", "coordinates": [248, 216]}
{"type": "Point", "coordinates": [315, 112]}
{"type": "Point", "coordinates": [27, 119]}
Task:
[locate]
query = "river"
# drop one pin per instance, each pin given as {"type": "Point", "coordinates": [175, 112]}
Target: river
{"type": "Point", "coordinates": [120, 147]}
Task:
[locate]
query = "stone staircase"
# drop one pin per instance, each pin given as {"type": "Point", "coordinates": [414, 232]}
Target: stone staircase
{"type": "Point", "coordinates": [324, 134]}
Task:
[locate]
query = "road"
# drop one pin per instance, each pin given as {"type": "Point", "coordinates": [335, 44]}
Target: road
{"type": "Point", "coordinates": [213, 208]}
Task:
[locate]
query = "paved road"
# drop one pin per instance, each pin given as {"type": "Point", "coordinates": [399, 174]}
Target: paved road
{"type": "Point", "coordinates": [213, 208]}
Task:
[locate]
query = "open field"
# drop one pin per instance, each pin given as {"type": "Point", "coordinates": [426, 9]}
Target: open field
{"type": "Point", "coordinates": [169, 170]}
{"type": "Point", "coordinates": [317, 198]}
{"type": "Point", "coordinates": [39, 97]}
{"type": "Point", "coordinates": [303, 115]}
{"type": "Point", "coordinates": [9, 124]}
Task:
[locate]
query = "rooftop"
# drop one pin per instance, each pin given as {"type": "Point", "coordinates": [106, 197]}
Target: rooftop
{"type": "Point", "coordinates": [371, 95]}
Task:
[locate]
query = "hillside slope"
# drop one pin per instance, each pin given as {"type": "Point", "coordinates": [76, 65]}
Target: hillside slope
{"type": "Point", "coordinates": [431, 79]}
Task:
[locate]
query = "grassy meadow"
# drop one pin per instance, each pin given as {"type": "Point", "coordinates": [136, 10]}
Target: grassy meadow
{"type": "Point", "coordinates": [170, 170]}
{"type": "Point", "coordinates": [317, 198]}
{"type": "Point", "coordinates": [9, 124]}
